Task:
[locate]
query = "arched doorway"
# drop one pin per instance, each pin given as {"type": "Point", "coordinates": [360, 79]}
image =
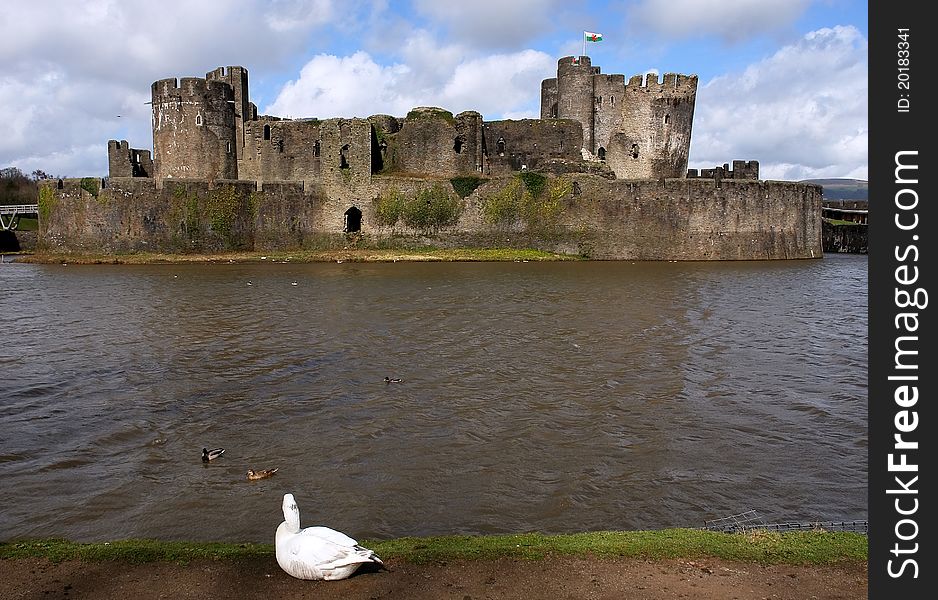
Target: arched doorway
{"type": "Point", "coordinates": [353, 220]}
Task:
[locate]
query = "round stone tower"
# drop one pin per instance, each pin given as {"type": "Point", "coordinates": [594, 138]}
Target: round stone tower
{"type": "Point", "coordinates": [575, 94]}
{"type": "Point", "coordinates": [194, 130]}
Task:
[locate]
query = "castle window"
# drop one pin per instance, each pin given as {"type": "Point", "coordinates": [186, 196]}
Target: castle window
{"type": "Point", "coordinates": [561, 145]}
{"type": "Point", "coordinates": [198, 120]}
{"type": "Point", "coordinates": [553, 110]}
{"type": "Point", "coordinates": [343, 157]}
{"type": "Point", "coordinates": [353, 220]}
{"type": "Point", "coordinates": [228, 147]}
{"type": "Point", "coordinates": [280, 146]}
{"type": "Point", "coordinates": [457, 145]}
{"type": "Point", "coordinates": [612, 100]}
{"type": "Point", "coordinates": [634, 150]}
{"type": "Point", "coordinates": [667, 119]}
{"type": "Point", "coordinates": [599, 101]}
{"type": "Point", "coordinates": [602, 153]}
{"type": "Point", "coordinates": [60, 185]}
{"type": "Point", "coordinates": [500, 146]}
{"type": "Point", "coordinates": [266, 132]}
{"type": "Point", "coordinates": [316, 149]}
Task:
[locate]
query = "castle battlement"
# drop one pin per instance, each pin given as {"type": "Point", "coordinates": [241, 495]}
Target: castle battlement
{"type": "Point", "coordinates": [671, 85]}
{"type": "Point", "coordinates": [172, 89]}
{"type": "Point", "coordinates": [741, 170]}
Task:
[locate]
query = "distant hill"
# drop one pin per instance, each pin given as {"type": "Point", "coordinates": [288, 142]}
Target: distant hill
{"type": "Point", "coordinates": [843, 189]}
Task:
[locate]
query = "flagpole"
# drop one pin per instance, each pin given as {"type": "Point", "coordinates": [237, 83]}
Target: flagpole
{"type": "Point", "coordinates": [584, 43]}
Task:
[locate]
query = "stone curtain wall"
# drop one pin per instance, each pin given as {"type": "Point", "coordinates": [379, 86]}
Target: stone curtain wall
{"type": "Point", "coordinates": [679, 219]}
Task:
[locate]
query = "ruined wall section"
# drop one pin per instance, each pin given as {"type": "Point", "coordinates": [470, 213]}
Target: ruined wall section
{"type": "Point", "coordinates": [281, 150]}
{"type": "Point", "coordinates": [194, 130]}
{"type": "Point", "coordinates": [124, 161]}
{"type": "Point", "coordinates": [653, 140]}
{"type": "Point", "coordinates": [741, 170]}
{"type": "Point", "coordinates": [530, 143]}
{"type": "Point", "coordinates": [432, 141]}
{"type": "Point", "coordinates": [549, 98]}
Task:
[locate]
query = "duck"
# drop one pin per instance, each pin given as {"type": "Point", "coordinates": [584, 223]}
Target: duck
{"type": "Point", "coordinates": [393, 380]}
{"type": "Point", "coordinates": [260, 474]}
{"type": "Point", "coordinates": [208, 455]}
{"type": "Point", "coordinates": [317, 552]}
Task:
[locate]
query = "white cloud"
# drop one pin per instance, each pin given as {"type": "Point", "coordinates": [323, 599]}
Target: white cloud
{"type": "Point", "coordinates": [732, 20]}
{"type": "Point", "coordinates": [802, 113]}
{"type": "Point", "coordinates": [356, 86]}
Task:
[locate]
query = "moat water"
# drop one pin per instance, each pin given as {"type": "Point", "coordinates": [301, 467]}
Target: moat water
{"type": "Point", "coordinates": [545, 397]}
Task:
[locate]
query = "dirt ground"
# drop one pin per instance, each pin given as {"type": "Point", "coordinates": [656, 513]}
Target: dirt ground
{"type": "Point", "coordinates": [554, 578]}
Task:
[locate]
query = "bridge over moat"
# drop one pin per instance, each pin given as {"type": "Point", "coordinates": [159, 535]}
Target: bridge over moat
{"type": "Point", "coordinates": [10, 214]}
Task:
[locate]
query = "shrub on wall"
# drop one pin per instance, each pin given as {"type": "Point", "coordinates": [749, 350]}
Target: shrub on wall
{"type": "Point", "coordinates": [501, 208]}
{"type": "Point", "coordinates": [388, 207]}
{"type": "Point", "coordinates": [431, 208]}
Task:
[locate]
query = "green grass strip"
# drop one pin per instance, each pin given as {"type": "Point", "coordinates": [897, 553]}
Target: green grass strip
{"type": "Point", "coordinates": [796, 547]}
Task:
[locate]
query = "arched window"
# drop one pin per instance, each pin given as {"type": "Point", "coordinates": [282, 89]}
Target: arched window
{"type": "Point", "coordinates": [228, 147]}
{"type": "Point", "coordinates": [316, 149]}
{"type": "Point", "coordinates": [602, 153]}
{"type": "Point", "coordinates": [266, 132]}
{"type": "Point", "coordinates": [553, 110]}
{"type": "Point", "coordinates": [634, 150]}
{"type": "Point", "coordinates": [198, 120]}
{"type": "Point", "coordinates": [667, 119]}
{"type": "Point", "coordinates": [457, 145]}
{"type": "Point", "coordinates": [500, 146]}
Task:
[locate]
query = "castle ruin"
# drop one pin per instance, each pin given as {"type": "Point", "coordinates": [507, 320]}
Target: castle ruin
{"type": "Point", "coordinates": [603, 173]}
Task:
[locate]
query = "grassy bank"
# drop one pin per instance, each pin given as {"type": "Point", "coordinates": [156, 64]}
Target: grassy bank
{"type": "Point", "coordinates": [797, 547]}
{"type": "Point", "coordinates": [303, 256]}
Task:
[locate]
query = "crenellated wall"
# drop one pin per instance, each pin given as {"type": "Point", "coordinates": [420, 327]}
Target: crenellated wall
{"type": "Point", "coordinates": [673, 219]}
{"type": "Point", "coordinates": [742, 169]}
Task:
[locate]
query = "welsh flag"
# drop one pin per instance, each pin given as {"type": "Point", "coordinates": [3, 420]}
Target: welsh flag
{"type": "Point", "coordinates": [589, 36]}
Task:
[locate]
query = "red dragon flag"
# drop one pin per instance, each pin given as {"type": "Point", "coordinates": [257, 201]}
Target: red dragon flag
{"type": "Point", "coordinates": [589, 36]}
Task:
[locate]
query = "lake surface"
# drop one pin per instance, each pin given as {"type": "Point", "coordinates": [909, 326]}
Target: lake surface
{"type": "Point", "coordinates": [553, 397]}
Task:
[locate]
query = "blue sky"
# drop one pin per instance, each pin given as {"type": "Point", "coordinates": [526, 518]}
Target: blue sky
{"type": "Point", "coordinates": [784, 82]}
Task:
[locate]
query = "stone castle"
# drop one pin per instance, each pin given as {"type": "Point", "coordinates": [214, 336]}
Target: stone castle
{"type": "Point", "coordinates": [602, 172]}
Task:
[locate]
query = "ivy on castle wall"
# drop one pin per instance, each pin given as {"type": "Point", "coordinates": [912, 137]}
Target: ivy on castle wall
{"type": "Point", "coordinates": [529, 197]}
{"type": "Point", "coordinates": [429, 209]}
{"type": "Point", "coordinates": [47, 202]}
{"type": "Point", "coordinates": [90, 185]}
{"type": "Point", "coordinates": [463, 186]}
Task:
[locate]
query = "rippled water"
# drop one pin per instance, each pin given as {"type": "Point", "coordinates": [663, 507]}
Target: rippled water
{"type": "Point", "coordinates": [536, 396]}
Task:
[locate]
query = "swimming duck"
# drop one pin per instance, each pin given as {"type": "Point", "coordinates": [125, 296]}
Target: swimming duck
{"type": "Point", "coordinates": [261, 474]}
{"type": "Point", "coordinates": [317, 552]}
{"type": "Point", "coordinates": [393, 380]}
{"type": "Point", "coordinates": [208, 455]}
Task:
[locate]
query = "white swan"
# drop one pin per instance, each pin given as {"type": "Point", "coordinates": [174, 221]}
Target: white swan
{"type": "Point", "coordinates": [317, 552]}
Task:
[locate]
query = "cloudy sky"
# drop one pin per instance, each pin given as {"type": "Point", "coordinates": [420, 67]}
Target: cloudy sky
{"type": "Point", "coordinates": [783, 82]}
